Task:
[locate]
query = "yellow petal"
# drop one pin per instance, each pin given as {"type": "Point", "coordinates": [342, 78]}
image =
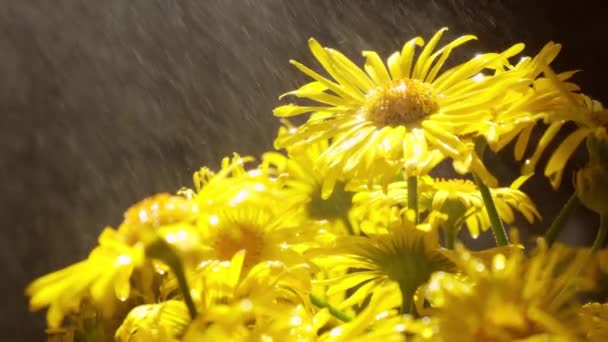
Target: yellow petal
{"type": "Point", "coordinates": [336, 88]}
{"type": "Point", "coordinates": [522, 142]}
{"type": "Point", "coordinates": [375, 68]}
{"type": "Point", "coordinates": [323, 57]}
{"type": "Point", "coordinates": [393, 65]}
{"type": "Point", "coordinates": [292, 110]}
{"type": "Point", "coordinates": [407, 55]}
{"type": "Point", "coordinates": [547, 137]}
{"type": "Point", "coordinates": [419, 68]}
{"type": "Point", "coordinates": [351, 70]}
{"type": "Point", "coordinates": [445, 53]}
{"type": "Point", "coordinates": [559, 158]}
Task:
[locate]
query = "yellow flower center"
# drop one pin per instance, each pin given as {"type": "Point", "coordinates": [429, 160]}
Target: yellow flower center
{"type": "Point", "coordinates": [402, 102]}
{"type": "Point", "coordinates": [240, 237]}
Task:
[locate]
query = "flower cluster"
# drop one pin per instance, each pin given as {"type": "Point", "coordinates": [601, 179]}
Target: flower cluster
{"type": "Point", "coordinates": [344, 233]}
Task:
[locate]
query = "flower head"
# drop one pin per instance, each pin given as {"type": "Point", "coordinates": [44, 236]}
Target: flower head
{"type": "Point", "coordinates": [105, 275]}
{"type": "Point", "coordinates": [458, 199]}
{"type": "Point", "coordinates": [304, 185]}
{"type": "Point", "coordinates": [405, 116]}
{"type": "Point", "coordinates": [239, 304]}
{"type": "Point", "coordinates": [104, 278]}
{"type": "Point", "coordinates": [514, 298]}
{"type": "Point", "coordinates": [255, 229]}
{"type": "Point", "coordinates": [461, 200]}
{"type": "Point", "coordinates": [162, 322]}
{"type": "Point", "coordinates": [402, 258]}
{"type": "Point", "coordinates": [589, 115]}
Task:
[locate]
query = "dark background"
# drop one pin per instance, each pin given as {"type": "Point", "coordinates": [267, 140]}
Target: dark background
{"type": "Point", "coordinates": [105, 102]}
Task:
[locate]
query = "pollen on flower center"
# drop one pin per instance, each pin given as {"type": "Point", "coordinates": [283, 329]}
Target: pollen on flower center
{"type": "Point", "coordinates": [242, 237]}
{"type": "Point", "coordinates": [403, 102]}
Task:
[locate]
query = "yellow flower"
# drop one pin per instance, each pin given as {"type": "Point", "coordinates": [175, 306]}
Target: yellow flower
{"type": "Point", "coordinates": [103, 276]}
{"type": "Point", "coordinates": [143, 220]}
{"type": "Point", "coordinates": [459, 199]}
{"type": "Point", "coordinates": [237, 304]}
{"type": "Point", "coordinates": [162, 322]}
{"type": "Point", "coordinates": [590, 117]}
{"type": "Point", "coordinates": [303, 185]}
{"type": "Point", "coordinates": [522, 107]}
{"type": "Point", "coordinates": [594, 318]}
{"type": "Point", "coordinates": [402, 259]}
{"type": "Point", "coordinates": [515, 298]}
{"type": "Point", "coordinates": [233, 184]}
{"type": "Point", "coordinates": [261, 233]}
{"type": "Point", "coordinates": [106, 274]}
{"type": "Point", "coordinates": [407, 116]}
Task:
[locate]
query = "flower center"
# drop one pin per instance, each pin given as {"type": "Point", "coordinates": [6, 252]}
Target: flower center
{"type": "Point", "coordinates": [241, 236]}
{"type": "Point", "coordinates": [403, 102]}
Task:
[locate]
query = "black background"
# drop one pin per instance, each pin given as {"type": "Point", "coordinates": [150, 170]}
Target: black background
{"type": "Point", "coordinates": [105, 102]}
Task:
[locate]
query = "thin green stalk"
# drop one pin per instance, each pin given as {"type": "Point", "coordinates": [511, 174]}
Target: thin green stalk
{"type": "Point", "coordinates": [183, 286]}
{"type": "Point", "coordinates": [412, 195]}
{"type": "Point", "coordinates": [500, 234]}
{"type": "Point", "coordinates": [601, 234]}
{"type": "Point", "coordinates": [560, 220]}
{"type": "Point", "coordinates": [449, 236]}
{"type": "Point", "coordinates": [320, 303]}
{"type": "Point", "coordinates": [160, 249]}
{"type": "Point", "coordinates": [498, 228]}
{"type": "Point", "coordinates": [348, 225]}
{"type": "Point", "coordinates": [407, 306]}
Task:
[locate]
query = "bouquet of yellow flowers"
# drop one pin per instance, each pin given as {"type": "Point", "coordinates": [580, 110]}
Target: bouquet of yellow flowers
{"type": "Point", "coordinates": [343, 234]}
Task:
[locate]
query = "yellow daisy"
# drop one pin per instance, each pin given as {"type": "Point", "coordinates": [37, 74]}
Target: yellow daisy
{"type": "Point", "coordinates": [408, 116]}
{"type": "Point", "coordinates": [402, 259]}
{"type": "Point", "coordinates": [303, 185]}
{"type": "Point", "coordinates": [522, 107]}
{"type": "Point", "coordinates": [245, 209]}
{"type": "Point", "coordinates": [105, 276]}
{"type": "Point", "coordinates": [590, 117]}
{"type": "Point", "coordinates": [459, 199]}
{"type": "Point", "coordinates": [234, 184]}
{"type": "Point", "coordinates": [515, 298]}
{"type": "Point", "coordinates": [162, 322]}
{"type": "Point", "coordinates": [257, 230]}
{"type": "Point", "coordinates": [239, 304]}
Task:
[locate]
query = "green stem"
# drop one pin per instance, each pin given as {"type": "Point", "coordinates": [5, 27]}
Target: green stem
{"type": "Point", "coordinates": [408, 305]}
{"type": "Point", "coordinates": [498, 229]}
{"type": "Point", "coordinates": [183, 286]}
{"type": "Point", "coordinates": [412, 195]}
{"type": "Point", "coordinates": [561, 218]}
{"type": "Point", "coordinates": [348, 225]}
{"type": "Point", "coordinates": [449, 236]}
{"type": "Point", "coordinates": [160, 249]}
{"type": "Point", "coordinates": [320, 303]}
{"type": "Point", "coordinates": [601, 234]}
